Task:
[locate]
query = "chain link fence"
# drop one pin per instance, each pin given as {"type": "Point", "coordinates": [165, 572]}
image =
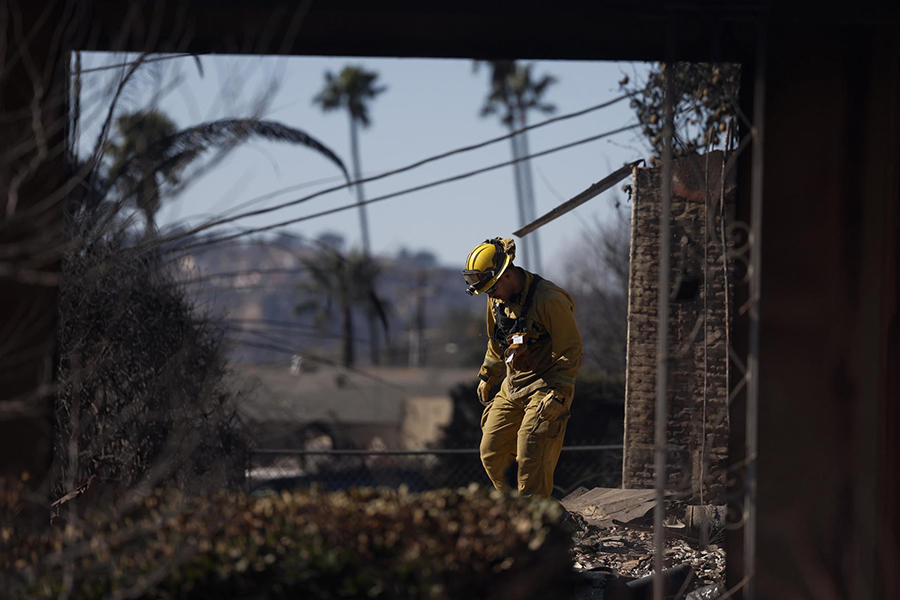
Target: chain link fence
{"type": "Point", "coordinates": [419, 470]}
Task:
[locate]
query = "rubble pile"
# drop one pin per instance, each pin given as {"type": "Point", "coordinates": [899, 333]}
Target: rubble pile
{"type": "Point", "coordinates": [613, 534]}
{"type": "Point", "coordinates": [629, 552]}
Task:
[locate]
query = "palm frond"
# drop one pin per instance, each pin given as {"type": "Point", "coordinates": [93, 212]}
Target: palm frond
{"type": "Point", "coordinates": [514, 90]}
{"type": "Point", "coordinates": [488, 109]}
{"type": "Point", "coordinates": [135, 162]}
{"type": "Point", "coordinates": [379, 306]}
{"type": "Point", "coordinates": [330, 96]}
{"type": "Point", "coordinates": [199, 64]}
{"type": "Point", "coordinates": [541, 86]}
{"type": "Point", "coordinates": [352, 89]}
{"type": "Point", "coordinates": [197, 139]}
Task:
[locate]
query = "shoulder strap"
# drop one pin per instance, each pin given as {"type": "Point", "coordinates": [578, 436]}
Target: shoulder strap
{"type": "Point", "coordinates": [535, 280]}
{"type": "Point", "coordinates": [503, 326]}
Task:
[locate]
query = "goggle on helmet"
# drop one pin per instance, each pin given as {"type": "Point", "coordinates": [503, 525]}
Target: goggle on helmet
{"type": "Point", "coordinates": [484, 266]}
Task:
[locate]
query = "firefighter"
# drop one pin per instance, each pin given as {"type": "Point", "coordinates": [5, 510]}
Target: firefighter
{"type": "Point", "coordinates": [533, 354]}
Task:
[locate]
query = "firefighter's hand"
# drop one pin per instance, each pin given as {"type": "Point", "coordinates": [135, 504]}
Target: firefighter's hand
{"type": "Point", "coordinates": [484, 392]}
{"type": "Point", "coordinates": [552, 407]}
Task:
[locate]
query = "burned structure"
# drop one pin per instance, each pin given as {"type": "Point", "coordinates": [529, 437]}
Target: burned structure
{"type": "Point", "coordinates": [698, 327]}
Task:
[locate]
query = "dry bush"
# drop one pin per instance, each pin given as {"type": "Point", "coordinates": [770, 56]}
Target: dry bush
{"type": "Point", "coordinates": [142, 392]}
{"type": "Point", "coordinates": [598, 281]}
{"type": "Point", "coordinates": [378, 543]}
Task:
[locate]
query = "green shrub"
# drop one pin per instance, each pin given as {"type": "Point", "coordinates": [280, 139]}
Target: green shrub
{"type": "Point", "coordinates": [363, 543]}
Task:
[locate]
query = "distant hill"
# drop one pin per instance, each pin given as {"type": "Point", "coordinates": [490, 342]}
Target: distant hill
{"type": "Point", "coordinates": [254, 285]}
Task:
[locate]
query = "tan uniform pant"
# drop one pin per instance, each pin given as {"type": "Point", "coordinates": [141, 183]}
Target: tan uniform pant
{"type": "Point", "coordinates": [512, 431]}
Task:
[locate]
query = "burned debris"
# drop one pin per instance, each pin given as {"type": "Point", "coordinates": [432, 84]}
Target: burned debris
{"type": "Point", "coordinates": [613, 543]}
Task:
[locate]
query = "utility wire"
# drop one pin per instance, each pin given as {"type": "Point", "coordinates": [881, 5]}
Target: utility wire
{"type": "Point", "coordinates": [282, 328]}
{"type": "Point", "coordinates": [404, 169]}
{"type": "Point", "coordinates": [318, 359]}
{"type": "Point", "coordinates": [284, 190]}
{"type": "Point", "coordinates": [272, 322]}
{"type": "Point", "coordinates": [284, 336]}
{"type": "Point", "coordinates": [403, 192]}
{"type": "Point", "coordinates": [281, 336]}
{"type": "Point", "coordinates": [142, 62]}
{"type": "Point", "coordinates": [233, 274]}
{"type": "Point", "coordinates": [260, 199]}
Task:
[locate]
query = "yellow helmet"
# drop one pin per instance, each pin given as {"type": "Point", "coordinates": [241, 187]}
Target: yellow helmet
{"type": "Point", "coordinates": [487, 263]}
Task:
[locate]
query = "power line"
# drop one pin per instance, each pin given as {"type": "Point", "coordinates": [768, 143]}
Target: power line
{"type": "Point", "coordinates": [283, 328]}
{"type": "Point", "coordinates": [250, 289]}
{"type": "Point", "coordinates": [312, 357]}
{"type": "Point", "coordinates": [403, 192]}
{"type": "Point", "coordinates": [138, 62]}
{"type": "Point", "coordinates": [233, 274]}
{"type": "Point", "coordinates": [280, 336]}
{"type": "Point", "coordinates": [292, 188]}
{"type": "Point", "coordinates": [397, 171]}
{"type": "Point", "coordinates": [272, 322]}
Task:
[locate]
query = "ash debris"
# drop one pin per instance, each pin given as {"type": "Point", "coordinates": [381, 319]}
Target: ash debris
{"type": "Point", "coordinates": [621, 551]}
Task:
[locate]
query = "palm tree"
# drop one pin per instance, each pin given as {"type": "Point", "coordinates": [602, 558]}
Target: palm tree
{"type": "Point", "coordinates": [513, 93]}
{"type": "Point", "coordinates": [352, 90]}
{"type": "Point", "coordinates": [136, 156]}
{"type": "Point", "coordinates": [342, 283]}
{"type": "Point", "coordinates": [150, 154]}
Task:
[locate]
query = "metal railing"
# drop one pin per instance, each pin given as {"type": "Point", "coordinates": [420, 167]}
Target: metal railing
{"type": "Point", "coordinates": [419, 470]}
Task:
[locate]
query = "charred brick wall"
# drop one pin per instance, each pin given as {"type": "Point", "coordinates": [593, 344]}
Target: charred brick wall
{"type": "Point", "coordinates": [697, 387]}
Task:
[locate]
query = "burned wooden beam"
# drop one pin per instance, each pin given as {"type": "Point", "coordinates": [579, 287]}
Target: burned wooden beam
{"type": "Point", "coordinates": [593, 191]}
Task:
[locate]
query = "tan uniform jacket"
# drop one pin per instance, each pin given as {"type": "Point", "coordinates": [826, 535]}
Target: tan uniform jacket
{"type": "Point", "coordinates": [556, 353]}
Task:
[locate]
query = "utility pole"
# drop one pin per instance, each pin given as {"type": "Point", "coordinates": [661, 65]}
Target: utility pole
{"type": "Point", "coordinates": [528, 193]}
{"type": "Point", "coordinates": [521, 204]}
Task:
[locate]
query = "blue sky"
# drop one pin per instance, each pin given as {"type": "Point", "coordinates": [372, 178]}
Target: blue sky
{"type": "Point", "coordinates": [430, 106]}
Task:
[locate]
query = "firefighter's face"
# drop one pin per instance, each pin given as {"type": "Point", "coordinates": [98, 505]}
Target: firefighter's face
{"type": "Point", "coordinates": [503, 290]}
